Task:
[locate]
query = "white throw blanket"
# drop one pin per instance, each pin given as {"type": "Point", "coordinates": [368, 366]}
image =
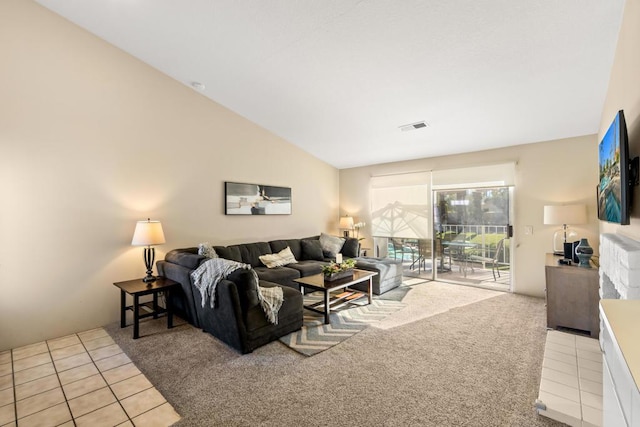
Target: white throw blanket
{"type": "Point", "coordinates": [208, 275]}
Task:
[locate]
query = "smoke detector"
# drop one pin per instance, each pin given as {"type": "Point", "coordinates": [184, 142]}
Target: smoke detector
{"type": "Point", "coordinates": [414, 126]}
{"type": "Point", "coordinates": [198, 86]}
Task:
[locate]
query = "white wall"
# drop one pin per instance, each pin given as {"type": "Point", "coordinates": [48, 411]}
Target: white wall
{"type": "Point", "coordinates": [553, 172]}
{"type": "Point", "coordinates": [92, 140]}
{"type": "Point", "coordinates": [624, 94]}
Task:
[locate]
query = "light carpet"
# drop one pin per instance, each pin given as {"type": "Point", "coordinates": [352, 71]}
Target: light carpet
{"type": "Point", "coordinates": [475, 365]}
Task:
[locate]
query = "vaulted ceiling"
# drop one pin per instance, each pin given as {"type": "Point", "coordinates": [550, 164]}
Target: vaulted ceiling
{"type": "Point", "coordinates": [339, 78]}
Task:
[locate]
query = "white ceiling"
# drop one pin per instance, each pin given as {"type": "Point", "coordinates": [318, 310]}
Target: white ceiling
{"type": "Point", "coordinates": [338, 77]}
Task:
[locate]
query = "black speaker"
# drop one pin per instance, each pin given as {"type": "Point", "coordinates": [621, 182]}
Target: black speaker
{"type": "Point", "coordinates": [568, 248]}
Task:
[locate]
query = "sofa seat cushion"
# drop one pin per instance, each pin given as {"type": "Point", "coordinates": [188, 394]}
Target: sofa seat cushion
{"type": "Point", "coordinates": [308, 268]}
{"type": "Point", "coordinates": [256, 321]}
{"type": "Point", "coordinates": [279, 275]}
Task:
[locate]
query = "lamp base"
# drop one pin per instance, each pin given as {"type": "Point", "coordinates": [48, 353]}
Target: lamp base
{"type": "Point", "coordinates": [149, 256]}
{"type": "Point", "coordinates": [149, 279]}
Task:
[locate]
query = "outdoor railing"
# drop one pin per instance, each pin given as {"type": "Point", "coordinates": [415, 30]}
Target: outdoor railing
{"type": "Point", "coordinates": [486, 238]}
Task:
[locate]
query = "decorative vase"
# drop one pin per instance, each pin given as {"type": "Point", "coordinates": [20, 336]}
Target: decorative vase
{"type": "Point", "coordinates": [339, 275]}
{"type": "Point", "coordinates": [584, 251]}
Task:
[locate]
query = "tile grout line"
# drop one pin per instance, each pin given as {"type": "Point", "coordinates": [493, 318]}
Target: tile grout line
{"type": "Point", "coordinates": [104, 379]}
{"type": "Point", "coordinates": [15, 397]}
{"type": "Point", "coordinates": [574, 346]}
{"type": "Point", "coordinates": [55, 368]}
{"type": "Point", "coordinates": [58, 377]}
{"type": "Point", "coordinates": [93, 362]}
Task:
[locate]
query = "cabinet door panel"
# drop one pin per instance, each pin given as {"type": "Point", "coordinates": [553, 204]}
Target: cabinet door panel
{"type": "Point", "coordinates": [572, 297]}
{"type": "Point", "coordinates": [611, 411]}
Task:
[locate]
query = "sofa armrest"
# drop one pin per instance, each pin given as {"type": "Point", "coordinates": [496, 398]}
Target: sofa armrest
{"type": "Point", "coordinates": [182, 302]}
{"type": "Point", "coordinates": [225, 321]}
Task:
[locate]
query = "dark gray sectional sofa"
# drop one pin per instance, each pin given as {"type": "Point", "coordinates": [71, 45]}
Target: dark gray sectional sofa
{"type": "Point", "coordinates": [237, 317]}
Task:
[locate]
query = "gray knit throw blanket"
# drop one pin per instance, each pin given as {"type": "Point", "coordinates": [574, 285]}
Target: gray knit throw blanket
{"type": "Point", "coordinates": [208, 275]}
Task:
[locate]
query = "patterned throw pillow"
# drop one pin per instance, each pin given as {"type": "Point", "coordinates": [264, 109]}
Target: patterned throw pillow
{"type": "Point", "coordinates": [283, 257]}
{"type": "Point", "coordinates": [207, 250]}
{"type": "Point", "coordinates": [331, 245]}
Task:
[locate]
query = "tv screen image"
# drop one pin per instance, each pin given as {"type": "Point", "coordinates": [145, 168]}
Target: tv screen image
{"type": "Point", "coordinates": [615, 187]}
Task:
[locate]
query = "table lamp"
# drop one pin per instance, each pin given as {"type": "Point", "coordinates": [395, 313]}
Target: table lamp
{"type": "Point", "coordinates": [346, 224]}
{"type": "Point", "coordinates": [148, 233]}
{"type": "Point", "coordinates": [564, 215]}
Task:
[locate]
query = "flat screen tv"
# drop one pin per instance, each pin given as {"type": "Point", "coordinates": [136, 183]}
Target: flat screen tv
{"type": "Point", "coordinates": [618, 174]}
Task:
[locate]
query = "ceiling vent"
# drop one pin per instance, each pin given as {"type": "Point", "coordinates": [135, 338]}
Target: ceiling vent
{"type": "Point", "coordinates": [414, 126]}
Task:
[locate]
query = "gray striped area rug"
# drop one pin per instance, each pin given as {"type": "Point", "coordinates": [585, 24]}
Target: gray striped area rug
{"type": "Point", "coordinates": [315, 336]}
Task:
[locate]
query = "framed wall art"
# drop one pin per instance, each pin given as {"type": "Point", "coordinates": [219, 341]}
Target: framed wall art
{"type": "Point", "coordinates": [256, 199]}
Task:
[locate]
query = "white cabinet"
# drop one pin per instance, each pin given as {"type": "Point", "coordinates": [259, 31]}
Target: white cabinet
{"type": "Point", "coordinates": [620, 340]}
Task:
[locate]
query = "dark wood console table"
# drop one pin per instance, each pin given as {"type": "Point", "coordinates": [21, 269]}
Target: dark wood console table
{"type": "Point", "coordinates": [137, 288]}
{"type": "Point", "coordinates": [572, 294]}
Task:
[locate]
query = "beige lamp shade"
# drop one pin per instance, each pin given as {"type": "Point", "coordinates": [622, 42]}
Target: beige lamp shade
{"type": "Point", "coordinates": [565, 214]}
{"type": "Point", "coordinates": [148, 233]}
{"type": "Point", "coordinates": [346, 223]}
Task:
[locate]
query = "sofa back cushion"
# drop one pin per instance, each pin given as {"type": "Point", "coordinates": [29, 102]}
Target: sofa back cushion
{"type": "Point", "coordinates": [293, 244]}
{"type": "Point", "coordinates": [247, 288]}
{"type": "Point", "coordinates": [311, 250]}
{"type": "Point", "coordinates": [350, 248]}
{"type": "Point", "coordinates": [251, 252]}
{"type": "Point", "coordinates": [229, 252]}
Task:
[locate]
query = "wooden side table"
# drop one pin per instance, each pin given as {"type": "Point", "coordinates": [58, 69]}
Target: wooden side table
{"type": "Point", "coordinates": [137, 288]}
{"type": "Point", "coordinates": [572, 296]}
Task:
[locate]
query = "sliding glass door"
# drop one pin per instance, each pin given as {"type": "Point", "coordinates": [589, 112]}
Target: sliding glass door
{"type": "Point", "coordinates": [471, 229]}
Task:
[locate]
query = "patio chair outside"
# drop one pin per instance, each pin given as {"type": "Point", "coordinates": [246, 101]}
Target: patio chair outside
{"type": "Point", "coordinates": [493, 260]}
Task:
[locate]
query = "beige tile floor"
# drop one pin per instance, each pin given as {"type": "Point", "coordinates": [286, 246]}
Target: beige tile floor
{"type": "Point", "coordinates": [82, 379]}
{"type": "Point", "coordinates": [571, 383]}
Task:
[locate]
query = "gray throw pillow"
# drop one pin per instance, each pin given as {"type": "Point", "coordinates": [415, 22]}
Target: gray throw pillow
{"type": "Point", "coordinates": [207, 250]}
{"type": "Point", "coordinates": [331, 245]}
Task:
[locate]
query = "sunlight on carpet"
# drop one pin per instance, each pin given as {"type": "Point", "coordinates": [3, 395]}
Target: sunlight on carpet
{"type": "Point", "coordinates": [426, 299]}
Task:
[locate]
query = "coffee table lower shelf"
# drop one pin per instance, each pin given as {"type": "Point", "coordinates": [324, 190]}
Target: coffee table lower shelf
{"type": "Point", "coordinates": [336, 301]}
{"type": "Point", "coordinates": [333, 300]}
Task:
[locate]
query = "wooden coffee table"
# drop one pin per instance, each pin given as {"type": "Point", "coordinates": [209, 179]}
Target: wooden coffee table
{"type": "Point", "coordinates": [317, 283]}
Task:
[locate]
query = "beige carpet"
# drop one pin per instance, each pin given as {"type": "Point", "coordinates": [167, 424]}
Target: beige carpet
{"type": "Point", "coordinates": [476, 365]}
